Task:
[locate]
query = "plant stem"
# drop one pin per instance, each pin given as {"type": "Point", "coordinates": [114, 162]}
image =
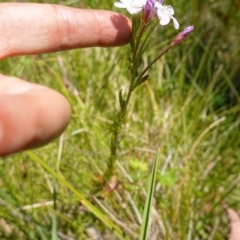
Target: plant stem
{"type": "Point", "coordinates": [117, 128]}
{"type": "Point", "coordinates": [135, 80]}
{"type": "Point", "coordinates": [151, 63]}
{"type": "Point", "coordinates": [119, 119]}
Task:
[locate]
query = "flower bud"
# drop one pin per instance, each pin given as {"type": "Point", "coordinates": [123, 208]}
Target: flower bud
{"type": "Point", "coordinates": [148, 10]}
{"type": "Point", "coordinates": [182, 35]}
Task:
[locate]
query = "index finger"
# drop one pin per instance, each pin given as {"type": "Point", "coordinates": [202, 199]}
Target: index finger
{"type": "Point", "coordinates": [30, 28]}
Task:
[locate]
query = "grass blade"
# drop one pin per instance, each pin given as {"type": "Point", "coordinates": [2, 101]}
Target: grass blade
{"type": "Point", "coordinates": [97, 213]}
{"type": "Point", "coordinates": [54, 216]}
{"type": "Point", "coordinates": [148, 203]}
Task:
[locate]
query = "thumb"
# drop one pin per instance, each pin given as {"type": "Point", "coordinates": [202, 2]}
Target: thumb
{"type": "Point", "coordinates": [30, 115]}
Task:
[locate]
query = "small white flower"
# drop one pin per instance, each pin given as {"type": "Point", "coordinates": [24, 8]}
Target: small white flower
{"type": "Point", "coordinates": [132, 6]}
{"type": "Point", "coordinates": [165, 14]}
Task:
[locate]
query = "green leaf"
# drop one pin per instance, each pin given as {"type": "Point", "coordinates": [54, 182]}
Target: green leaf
{"type": "Point", "coordinates": [54, 217]}
{"type": "Point", "coordinates": [142, 80]}
{"type": "Point", "coordinates": [148, 203]}
{"type": "Point", "coordinates": [121, 100]}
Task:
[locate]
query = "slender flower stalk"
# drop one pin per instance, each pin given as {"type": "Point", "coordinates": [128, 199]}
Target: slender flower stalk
{"type": "Point", "coordinates": [138, 81]}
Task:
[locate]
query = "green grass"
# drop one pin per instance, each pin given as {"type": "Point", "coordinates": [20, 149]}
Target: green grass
{"type": "Point", "coordinates": [189, 109]}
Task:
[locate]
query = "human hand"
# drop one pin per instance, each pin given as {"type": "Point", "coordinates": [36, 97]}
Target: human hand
{"type": "Point", "coordinates": [31, 115]}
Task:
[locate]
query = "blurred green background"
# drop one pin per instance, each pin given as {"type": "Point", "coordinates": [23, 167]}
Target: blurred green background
{"type": "Point", "coordinates": [189, 108]}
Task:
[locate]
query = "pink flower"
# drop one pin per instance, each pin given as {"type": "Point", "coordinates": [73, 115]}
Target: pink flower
{"type": "Point", "coordinates": [182, 35]}
{"type": "Point", "coordinates": [148, 10]}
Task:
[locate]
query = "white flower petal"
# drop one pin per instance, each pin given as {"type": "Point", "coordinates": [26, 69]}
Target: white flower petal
{"type": "Point", "coordinates": [165, 20]}
{"type": "Point", "coordinates": [175, 23]}
{"type": "Point", "coordinates": [132, 6]}
{"type": "Point", "coordinates": [158, 5]}
{"type": "Point", "coordinates": [169, 10]}
{"type": "Point", "coordinates": [161, 14]}
{"type": "Point", "coordinates": [134, 10]}
{"type": "Point", "coordinates": [165, 14]}
{"type": "Point", "coordinates": [119, 5]}
{"type": "Point", "coordinates": [140, 3]}
{"type": "Point", "coordinates": [126, 2]}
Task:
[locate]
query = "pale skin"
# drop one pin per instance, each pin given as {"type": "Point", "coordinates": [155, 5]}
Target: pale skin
{"type": "Point", "coordinates": [32, 115]}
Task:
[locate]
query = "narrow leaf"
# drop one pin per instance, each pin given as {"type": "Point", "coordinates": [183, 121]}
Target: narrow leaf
{"type": "Point", "coordinates": [54, 217]}
{"type": "Point", "coordinates": [104, 219]}
{"type": "Point", "coordinates": [121, 100]}
{"type": "Point", "coordinates": [142, 80]}
{"type": "Point", "coordinates": [148, 203]}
